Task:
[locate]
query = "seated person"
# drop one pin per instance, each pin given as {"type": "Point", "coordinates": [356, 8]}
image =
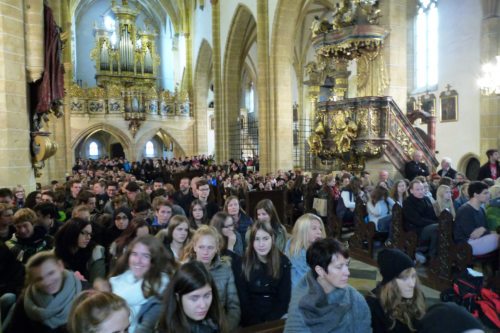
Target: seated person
{"type": "Point", "coordinates": [493, 209]}
{"type": "Point", "coordinates": [398, 303]}
{"type": "Point", "coordinates": [380, 208]}
{"type": "Point", "coordinates": [471, 226]}
{"type": "Point", "coordinates": [444, 201]}
{"type": "Point", "coordinates": [418, 215]}
{"type": "Point", "coordinates": [323, 301]}
{"type": "Point", "coordinates": [450, 318]}
{"type": "Point", "coordinates": [46, 301]}
{"type": "Point", "coordinates": [98, 312]}
{"type": "Point", "coordinates": [6, 222]}
{"type": "Point", "coordinates": [29, 237]}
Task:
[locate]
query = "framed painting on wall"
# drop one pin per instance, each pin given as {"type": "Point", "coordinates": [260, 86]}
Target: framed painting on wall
{"type": "Point", "coordinates": [449, 108]}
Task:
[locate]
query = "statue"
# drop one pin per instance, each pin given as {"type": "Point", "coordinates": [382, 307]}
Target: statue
{"type": "Point", "coordinates": [345, 130]}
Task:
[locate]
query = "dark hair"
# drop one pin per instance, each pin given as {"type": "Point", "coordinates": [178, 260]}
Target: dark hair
{"type": "Point", "coordinates": [123, 210]}
{"type": "Point", "coordinates": [490, 152]}
{"type": "Point", "coordinates": [174, 222]}
{"type": "Point", "coordinates": [476, 187]}
{"type": "Point", "coordinates": [129, 234]}
{"type": "Point", "coordinates": [141, 205]}
{"type": "Point", "coordinates": [190, 277]}
{"type": "Point", "coordinates": [161, 262]}
{"type": "Point", "coordinates": [251, 261]}
{"type": "Point", "coordinates": [268, 206]}
{"type": "Point", "coordinates": [30, 201]}
{"type": "Point", "coordinates": [6, 192]}
{"type": "Point", "coordinates": [217, 222]}
{"type": "Point", "coordinates": [66, 246]}
{"type": "Point", "coordinates": [321, 251]}
{"type": "Point", "coordinates": [83, 197]}
{"type": "Point", "coordinates": [192, 222]}
{"type": "Point", "coordinates": [379, 193]}
{"type": "Point", "coordinates": [46, 208]}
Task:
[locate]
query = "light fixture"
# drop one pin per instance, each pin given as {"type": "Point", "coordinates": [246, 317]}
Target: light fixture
{"type": "Point", "coordinates": [489, 82]}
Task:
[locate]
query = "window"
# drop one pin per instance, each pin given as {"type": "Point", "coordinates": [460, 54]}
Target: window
{"type": "Point", "coordinates": [250, 99]}
{"type": "Point", "coordinates": [93, 149]}
{"type": "Point", "coordinates": [150, 150]}
{"type": "Point", "coordinates": [426, 46]}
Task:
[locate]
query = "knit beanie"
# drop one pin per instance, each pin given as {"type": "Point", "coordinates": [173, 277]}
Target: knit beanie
{"type": "Point", "coordinates": [449, 318]}
{"type": "Point", "coordinates": [391, 263]}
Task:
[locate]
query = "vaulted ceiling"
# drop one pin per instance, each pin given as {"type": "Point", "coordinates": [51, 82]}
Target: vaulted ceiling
{"type": "Point", "coordinates": [176, 10]}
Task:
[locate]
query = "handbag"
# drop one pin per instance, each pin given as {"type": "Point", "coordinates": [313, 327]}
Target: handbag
{"type": "Point", "coordinates": [320, 206]}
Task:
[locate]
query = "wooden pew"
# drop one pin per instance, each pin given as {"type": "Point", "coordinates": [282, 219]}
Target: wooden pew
{"type": "Point", "coordinates": [277, 197]}
{"type": "Point", "coordinates": [404, 240]}
{"type": "Point", "coordinates": [452, 258]}
{"type": "Point", "coordinates": [361, 242]}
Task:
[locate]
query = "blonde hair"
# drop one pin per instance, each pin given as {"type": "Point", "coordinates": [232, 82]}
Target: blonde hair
{"type": "Point", "coordinates": [25, 215]}
{"type": "Point", "coordinates": [495, 191]}
{"type": "Point", "coordinates": [441, 203]}
{"type": "Point", "coordinates": [300, 233]}
{"type": "Point", "coordinates": [398, 308]}
{"type": "Point", "coordinates": [203, 230]}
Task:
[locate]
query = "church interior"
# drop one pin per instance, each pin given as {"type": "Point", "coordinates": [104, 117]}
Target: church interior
{"type": "Point", "coordinates": [320, 86]}
{"type": "Point", "coordinates": [237, 79]}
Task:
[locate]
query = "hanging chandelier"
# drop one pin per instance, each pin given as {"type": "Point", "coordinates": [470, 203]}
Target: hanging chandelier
{"type": "Point", "coordinates": [489, 82]}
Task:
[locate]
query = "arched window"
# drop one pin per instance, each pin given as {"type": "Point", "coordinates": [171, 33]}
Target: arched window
{"type": "Point", "coordinates": [426, 46]}
{"type": "Point", "coordinates": [250, 98]}
{"type": "Point", "coordinates": [93, 149]}
{"type": "Point", "coordinates": [150, 149]}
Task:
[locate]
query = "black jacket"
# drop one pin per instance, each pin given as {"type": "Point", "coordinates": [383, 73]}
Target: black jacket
{"type": "Point", "coordinates": [414, 169]}
{"type": "Point", "coordinates": [418, 213]}
{"type": "Point", "coordinates": [452, 173]}
{"type": "Point", "coordinates": [264, 298]}
{"type": "Point", "coordinates": [380, 321]}
{"type": "Point", "coordinates": [485, 172]}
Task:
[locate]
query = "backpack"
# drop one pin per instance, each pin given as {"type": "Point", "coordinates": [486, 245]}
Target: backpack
{"type": "Point", "coordinates": [482, 303]}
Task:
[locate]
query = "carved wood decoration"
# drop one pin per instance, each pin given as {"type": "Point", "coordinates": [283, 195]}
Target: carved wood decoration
{"type": "Point", "coordinates": [406, 241]}
{"type": "Point", "coordinates": [451, 257]}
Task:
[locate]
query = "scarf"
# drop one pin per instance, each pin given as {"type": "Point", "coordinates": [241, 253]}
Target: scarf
{"type": "Point", "coordinates": [52, 310]}
{"type": "Point", "coordinates": [324, 313]}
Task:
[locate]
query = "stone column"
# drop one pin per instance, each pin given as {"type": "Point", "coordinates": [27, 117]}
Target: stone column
{"type": "Point", "coordinates": [394, 19]}
{"type": "Point", "coordinates": [221, 146]}
{"type": "Point", "coordinates": [489, 105]}
{"type": "Point", "coordinates": [15, 164]}
{"type": "Point", "coordinates": [266, 120]}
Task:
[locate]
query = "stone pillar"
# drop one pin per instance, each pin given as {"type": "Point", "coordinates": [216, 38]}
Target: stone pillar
{"type": "Point", "coordinates": [489, 105]}
{"type": "Point", "coordinates": [394, 19]}
{"type": "Point", "coordinates": [33, 25]}
{"type": "Point", "coordinates": [15, 164]}
{"type": "Point", "coordinates": [267, 121]}
{"type": "Point", "coordinates": [189, 67]}
{"type": "Point", "coordinates": [221, 147]}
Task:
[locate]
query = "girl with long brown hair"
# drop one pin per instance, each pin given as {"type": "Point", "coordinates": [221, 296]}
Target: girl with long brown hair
{"type": "Point", "coordinates": [264, 284]}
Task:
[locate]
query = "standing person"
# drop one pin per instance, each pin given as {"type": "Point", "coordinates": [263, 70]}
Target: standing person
{"type": "Point", "coordinates": [74, 246]}
{"type": "Point", "coordinates": [398, 304]}
{"type": "Point", "coordinates": [46, 301]}
{"type": "Point", "coordinates": [324, 301]}
{"type": "Point", "coordinates": [98, 312]}
{"type": "Point", "coordinates": [416, 167]}
{"type": "Point", "coordinates": [471, 225]}
{"type": "Point", "coordinates": [192, 302]}
{"type": "Point", "coordinates": [264, 285]}
{"type": "Point", "coordinates": [265, 212]}
{"type": "Point", "coordinates": [205, 247]}
{"type": "Point", "coordinates": [140, 277]}
{"type": "Point", "coordinates": [307, 229]}
{"type": "Point", "coordinates": [490, 169]}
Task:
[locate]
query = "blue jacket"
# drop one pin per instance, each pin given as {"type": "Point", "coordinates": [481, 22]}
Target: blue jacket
{"type": "Point", "coordinates": [299, 264]}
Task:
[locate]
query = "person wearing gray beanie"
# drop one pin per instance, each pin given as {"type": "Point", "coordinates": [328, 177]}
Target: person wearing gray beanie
{"type": "Point", "coordinates": [397, 305]}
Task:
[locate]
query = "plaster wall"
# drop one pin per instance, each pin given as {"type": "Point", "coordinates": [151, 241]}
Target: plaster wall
{"type": "Point", "coordinates": [459, 66]}
{"type": "Point", "coordinates": [202, 28]}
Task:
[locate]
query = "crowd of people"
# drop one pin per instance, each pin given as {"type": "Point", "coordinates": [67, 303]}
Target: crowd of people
{"type": "Point", "coordinates": [119, 247]}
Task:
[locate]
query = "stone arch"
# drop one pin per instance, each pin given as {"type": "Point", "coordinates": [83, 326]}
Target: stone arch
{"type": "Point", "coordinates": [150, 134]}
{"type": "Point", "coordinates": [115, 132]}
{"type": "Point", "coordinates": [202, 79]}
{"type": "Point", "coordinates": [464, 162]}
{"type": "Point", "coordinates": [242, 33]}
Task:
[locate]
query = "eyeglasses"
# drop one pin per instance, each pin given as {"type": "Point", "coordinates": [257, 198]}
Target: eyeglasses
{"type": "Point", "coordinates": [86, 234]}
